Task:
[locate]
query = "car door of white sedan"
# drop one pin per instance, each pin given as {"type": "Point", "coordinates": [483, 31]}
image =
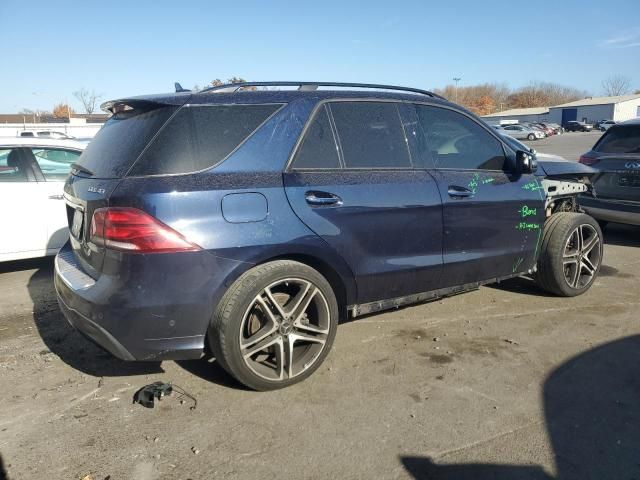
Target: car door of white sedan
{"type": "Point", "coordinates": [22, 219]}
{"type": "Point", "coordinates": [55, 164]}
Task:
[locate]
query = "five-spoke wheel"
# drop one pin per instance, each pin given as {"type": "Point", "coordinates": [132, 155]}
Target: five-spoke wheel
{"type": "Point", "coordinates": [581, 257]}
{"type": "Point", "coordinates": [275, 325]}
{"type": "Point", "coordinates": [570, 254]}
{"type": "Point", "coordinates": [285, 329]}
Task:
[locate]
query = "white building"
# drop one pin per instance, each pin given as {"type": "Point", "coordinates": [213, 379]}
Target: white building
{"type": "Point", "coordinates": [590, 110]}
{"type": "Point", "coordinates": [594, 109]}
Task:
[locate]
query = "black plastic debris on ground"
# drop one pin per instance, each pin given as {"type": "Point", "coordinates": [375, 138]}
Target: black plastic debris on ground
{"type": "Point", "coordinates": [147, 395]}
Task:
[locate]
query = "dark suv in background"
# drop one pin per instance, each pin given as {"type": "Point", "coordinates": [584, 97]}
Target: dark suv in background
{"type": "Point", "coordinates": [575, 126]}
{"type": "Point", "coordinates": [616, 157]}
{"type": "Point", "coordinates": [250, 221]}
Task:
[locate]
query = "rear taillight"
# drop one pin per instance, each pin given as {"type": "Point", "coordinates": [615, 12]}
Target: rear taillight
{"type": "Point", "coordinates": [132, 230]}
{"type": "Point", "coordinates": [588, 159]}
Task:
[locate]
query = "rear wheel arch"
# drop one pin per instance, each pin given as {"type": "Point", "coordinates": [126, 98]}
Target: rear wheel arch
{"type": "Point", "coordinates": [343, 288]}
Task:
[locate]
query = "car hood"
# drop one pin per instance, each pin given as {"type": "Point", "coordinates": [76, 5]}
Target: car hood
{"type": "Point", "coordinates": [556, 166]}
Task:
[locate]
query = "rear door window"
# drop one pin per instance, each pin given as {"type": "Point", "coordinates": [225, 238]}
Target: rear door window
{"type": "Point", "coordinates": [14, 166]}
{"type": "Point", "coordinates": [55, 164]}
{"type": "Point", "coordinates": [199, 137]}
{"type": "Point", "coordinates": [371, 135]}
{"type": "Point", "coordinates": [455, 141]}
{"type": "Point", "coordinates": [620, 140]}
{"type": "Point", "coordinates": [318, 149]}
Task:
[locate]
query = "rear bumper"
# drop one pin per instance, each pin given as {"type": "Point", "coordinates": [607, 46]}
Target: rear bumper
{"type": "Point", "coordinates": [611, 210]}
{"type": "Point", "coordinates": [94, 332]}
{"type": "Point", "coordinates": [154, 307]}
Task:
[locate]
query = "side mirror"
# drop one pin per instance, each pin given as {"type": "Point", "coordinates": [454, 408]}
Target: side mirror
{"type": "Point", "coordinates": [526, 162]}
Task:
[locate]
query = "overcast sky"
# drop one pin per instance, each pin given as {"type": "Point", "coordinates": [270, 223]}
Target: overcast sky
{"type": "Point", "coordinates": [121, 48]}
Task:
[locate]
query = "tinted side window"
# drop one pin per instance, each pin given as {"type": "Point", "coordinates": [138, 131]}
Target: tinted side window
{"type": "Point", "coordinates": [371, 135]}
{"type": "Point", "coordinates": [456, 141]}
{"type": "Point", "coordinates": [54, 163]}
{"type": "Point", "coordinates": [199, 137]}
{"type": "Point", "coordinates": [318, 148]}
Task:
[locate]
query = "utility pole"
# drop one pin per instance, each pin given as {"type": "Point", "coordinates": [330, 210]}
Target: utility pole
{"type": "Point", "coordinates": [456, 79]}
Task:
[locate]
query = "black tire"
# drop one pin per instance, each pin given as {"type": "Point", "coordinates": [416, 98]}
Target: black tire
{"type": "Point", "coordinates": [226, 328]}
{"type": "Point", "coordinates": [531, 136]}
{"type": "Point", "coordinates": [561, 271]}
{"type": "Point", "coordinates": [603, 224]}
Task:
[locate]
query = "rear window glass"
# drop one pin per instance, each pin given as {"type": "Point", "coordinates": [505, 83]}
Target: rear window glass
{"type": "Point", "coordinates": [199, 137]}
{"type": "Point", "coordinates": [620, 140]}
{"type": "Point", "coordinates": [318, 149]}
{"type": "Point", "coordinates": [371, 135]}
{"type": "Point", "coordinates": [121, 140]}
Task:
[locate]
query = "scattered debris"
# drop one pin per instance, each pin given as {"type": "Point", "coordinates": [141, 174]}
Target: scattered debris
{"type": "Point", "coordinates": [100, 382]}
{"type": "Point", "coordinates": [195, 450]}
{"type": "Point", "coordinates": [88, 476]}
{"type": "Point", "coordinates": [146, 395]}
{"type": "Point", "coordinates": [412, 415]}
{"type": "Point", "coordinates": [511, 341]}
{"type": "Point", "coordinates": [436, 339]}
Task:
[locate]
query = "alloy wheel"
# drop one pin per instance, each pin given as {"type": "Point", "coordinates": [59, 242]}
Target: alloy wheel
{"type": "Point", "coordinates": [285, 329]}
{"type": "Point", "coordinates": [581, 256]}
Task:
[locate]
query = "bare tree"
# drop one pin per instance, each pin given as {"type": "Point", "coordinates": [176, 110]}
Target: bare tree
{"type": "Point", "coordinates": [89, 99]}
{"type": "Point", "coordinates": [615, 85]}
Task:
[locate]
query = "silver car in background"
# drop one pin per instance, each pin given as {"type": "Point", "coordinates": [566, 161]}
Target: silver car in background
{"type": "Point", "coordinates": [521, 132]}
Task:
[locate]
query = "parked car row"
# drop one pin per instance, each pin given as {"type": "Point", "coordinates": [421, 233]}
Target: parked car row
{"type": "Point", "coordinates": [529, 130]}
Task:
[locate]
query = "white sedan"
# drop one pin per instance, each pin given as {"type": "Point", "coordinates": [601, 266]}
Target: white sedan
{"type": "Point", "coordinates": [33, 213]}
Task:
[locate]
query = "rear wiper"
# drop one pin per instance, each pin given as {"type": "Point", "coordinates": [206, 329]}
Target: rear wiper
{"type": "Point", "coordinates": [80, 168]}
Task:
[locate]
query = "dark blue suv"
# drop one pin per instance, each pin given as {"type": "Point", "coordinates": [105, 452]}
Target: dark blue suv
{"type": "Point", "coordinates": [250, 220]}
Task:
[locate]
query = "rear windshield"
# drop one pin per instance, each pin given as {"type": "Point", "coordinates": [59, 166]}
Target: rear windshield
{"type": "Point", "coordinates": [119, 142]}
{"type": "Point", "coordinates": [198, 137]}
{"type": "Point", "coordinates": [620, 140]}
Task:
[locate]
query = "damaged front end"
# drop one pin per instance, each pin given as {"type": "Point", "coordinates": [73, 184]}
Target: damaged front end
{"type": "Point", "coordinates": [563, 181]}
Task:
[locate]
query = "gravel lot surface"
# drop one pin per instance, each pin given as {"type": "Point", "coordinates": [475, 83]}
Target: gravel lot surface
{"type": "Point", "coordinates": [501, 383]}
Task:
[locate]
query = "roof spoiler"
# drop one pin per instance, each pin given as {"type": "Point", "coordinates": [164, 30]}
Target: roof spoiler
{"type": "Point", "coordinates": [146, 102]}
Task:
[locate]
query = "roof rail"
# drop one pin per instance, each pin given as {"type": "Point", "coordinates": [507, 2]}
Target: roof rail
{"type": "Point", "coordinates": [311, 86]}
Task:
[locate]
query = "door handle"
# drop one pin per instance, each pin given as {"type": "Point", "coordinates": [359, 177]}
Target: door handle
{"type": "Point", "coordinates": [322, 199]}
{"type": "Point", "coordinates": [456, 191]}
{"type": "Point", "coordinates": [56, 197]}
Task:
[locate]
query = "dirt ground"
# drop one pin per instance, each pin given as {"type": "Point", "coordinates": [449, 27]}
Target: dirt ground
{"type": "Point", "coordinates": [505, 382]}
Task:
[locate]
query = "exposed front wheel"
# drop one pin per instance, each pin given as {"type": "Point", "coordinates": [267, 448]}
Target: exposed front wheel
{"type": "Point", "coordinates": [275, 325]}
{"type": "Point", "coordinates": [531, 136]}
{"type": "Point", "coordinates": [570, 255]}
